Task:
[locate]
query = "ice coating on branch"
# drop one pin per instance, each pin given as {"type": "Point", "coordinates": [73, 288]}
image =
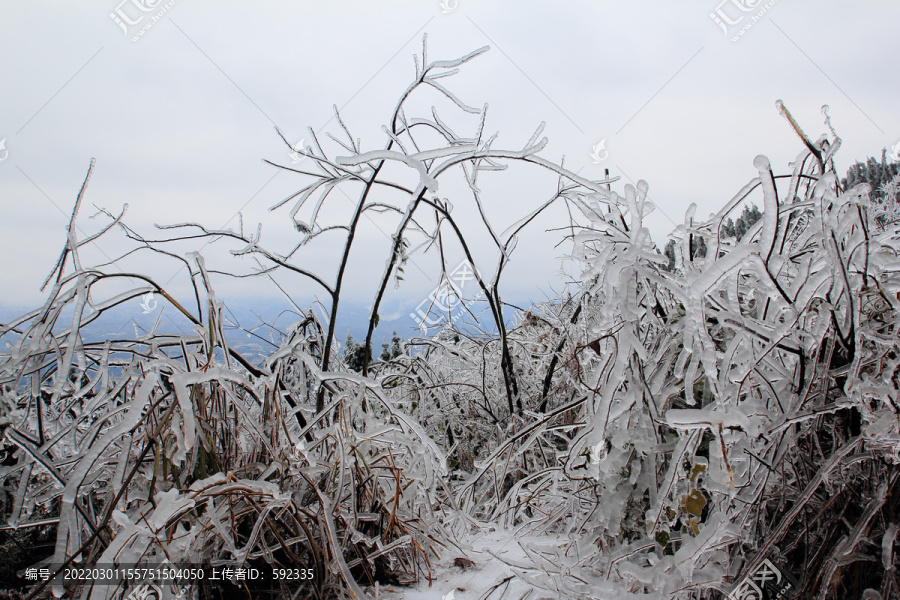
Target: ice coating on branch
{"type": "Point", "coordinates": [67, 543]}
{"type": "Point", "coordinates": [710, 418]}
{"type": "Point", "coordinates": [181, 381]}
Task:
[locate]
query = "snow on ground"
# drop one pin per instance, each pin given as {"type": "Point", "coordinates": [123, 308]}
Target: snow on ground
{"type": "Point", "coordinates": [490, 552]}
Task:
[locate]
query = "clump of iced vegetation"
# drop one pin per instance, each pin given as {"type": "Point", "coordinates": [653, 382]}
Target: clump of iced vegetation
{"type": "Point", "coordinates": [174, 448]}
{"type": "Point", "coordinates": [887, 209]}
{"type": "Point", "coordinates": [742, 407]}
{"type": "Point", "coordinates": [667, 430]}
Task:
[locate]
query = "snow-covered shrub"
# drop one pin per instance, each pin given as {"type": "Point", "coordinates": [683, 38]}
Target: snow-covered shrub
{"type": "Point", "coordinates": [722, 407]}
{"type": "Point", "coordinates": [175, 448]}
{"type": "Point", "coordinates": [883, 179]}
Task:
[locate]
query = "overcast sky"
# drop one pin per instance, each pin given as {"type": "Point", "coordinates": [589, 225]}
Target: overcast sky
{"type": "Point", "coordinates": [180, 119]}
